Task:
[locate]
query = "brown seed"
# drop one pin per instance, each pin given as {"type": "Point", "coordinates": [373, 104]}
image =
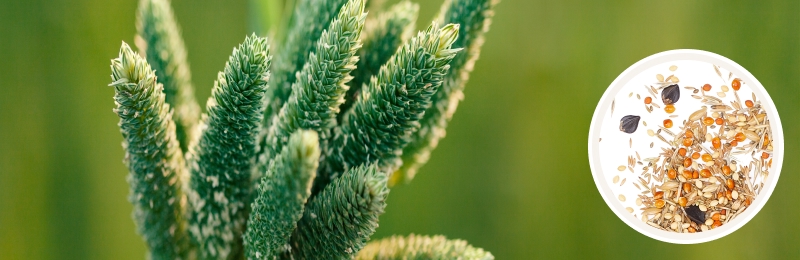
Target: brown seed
{"type": "Point", "coordinates": [687, 187]}
{"type": "Point", "coordinates": [705, 173]}
{"type": "Point", "coordinates": [729, 183]}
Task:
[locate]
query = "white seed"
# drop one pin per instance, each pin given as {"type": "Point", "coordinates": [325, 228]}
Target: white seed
{"type": "Point", "coordinates": [685, 225]}
{"type": "Point", "coordinates": [616, 179]}
{"type": "Point", "coordinates": [629, 209]}
{"type": "Point", "coordinates": [736, 205]}
{"type": "Point", "coordinates": [709, 163]}
{"type": "Point", "coordinates": [715, 114]}
{"type": "Point", "coordinates": [644, 218]}
{"type": "Point", "coordinates": [724, 88]}
{"type": "Point", "coordinates": [735, 195]}
{"type": "Point", "coordinates": [674, 79]}
{"type": "Point", "coordinates": [698, 183]}
{"type": "Point", "coordinates": [723, 201]}
{"type": "Point", "coordinates": [622, 198]}
{"type": "Point", "coordinates": [622, 168]}
{"type": "Point", "coordinates": [703, 228]}
{"type": "Point", "coordinates": [709, 222]}
{"type": "Point", "coordinates": [708, 136]}
{"type": "Point", "coordinates": [722, 217]}
{"type": "Point", "coordinates": [671, 207]}
{"type": "Point", "coordinates": [677, 218]}
{"type": "Point", "coordinates": [713, 203]}
{"type": "Point", "coordinates": [673, 68]}
{"type": "Point", "coordinates": [674, 225]}
{"type": "Point", "coordinates": [660, 77]}
{"type": "Point", "coordinates": [721, 94]}
{"type": "Point", "coordinates": [650, 132]}
{"type": "Point", "coordinates": [741, 118]}
{"type": "Point", "coordinates": [703, 208]}
{"type": "Point", "coordinates": [707, 195]}
{"type": "Point", "coordinates": [681, 178]}
{"type": "Point", "coordinates": [667, 215]}
{"type": "Point", "coordinates": [638, 201]}
{"type": "Point", "coordinates": [735, 176]}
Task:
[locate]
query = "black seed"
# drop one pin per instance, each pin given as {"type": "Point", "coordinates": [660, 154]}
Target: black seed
{"type": "Point", "coordinates": [695, 214]}
{"type": "Point", "coordinates": [628, 124]}
{"type": "Point", "coordinates": [670, 94]}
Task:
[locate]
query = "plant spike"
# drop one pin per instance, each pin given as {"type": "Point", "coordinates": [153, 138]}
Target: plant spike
{"type": "Point", "coordinates": [474, 16]}
{"type": "Point", "coordinates": [421, 247]}
{"type": "Point", "coordinates": [221, 162]}
{"type": "Point", "coordinates": [321, 85]}
{"type": "Point", "coordinates": [159, 38]}
{"type": "Point", "coordinates": [310, 17]}
{"type": "Point", "coordinates": [339, 221]}
{"type": "Point", "coordinates": [281, 196]}
{"type": "Point", "coordinates": [377, 128]}
{"type": "Point", "coordinates": [152, 154]}
{"type": "Point", "coordinates": [381, 38]}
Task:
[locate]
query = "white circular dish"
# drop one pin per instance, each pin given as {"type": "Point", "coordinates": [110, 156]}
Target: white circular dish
{"type": "Point", "coordinates": [604, 118]}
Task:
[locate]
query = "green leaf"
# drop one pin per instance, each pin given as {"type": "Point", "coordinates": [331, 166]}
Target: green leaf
{"type": "Point", "coordinates": [378, 126]}
{"type": "Point", "coordinates": [338, 221]}
{"type": "Point", "coordinates": [381, 38]}
{"type": "Point", "coordinates": [321, 85]}
{"type": "Point", "coordinates": [282, 193]}
{"type": "Point", "coordinates": [152, 154]}
{"type": "Point", "coordinates": [221, 162]}
{"type": "Point", "coordinates": [159, 38]}
{"type": "Point", "coordinates": [474, 16]}
{"type": "Point", "coordinates": [421, 247]}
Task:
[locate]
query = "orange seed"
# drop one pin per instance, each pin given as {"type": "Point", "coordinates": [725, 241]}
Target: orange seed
{"type": "Point", "coordinates": [669, 109]}
{"type": "Point", "coordinates": [736, 84]}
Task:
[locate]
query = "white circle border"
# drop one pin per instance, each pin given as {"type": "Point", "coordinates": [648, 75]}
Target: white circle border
{"type": "Point", "coordinates": [604, 105]}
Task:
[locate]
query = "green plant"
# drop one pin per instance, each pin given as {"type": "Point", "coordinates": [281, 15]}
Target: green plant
{"type": "Point", "coordinates": [298, 164]}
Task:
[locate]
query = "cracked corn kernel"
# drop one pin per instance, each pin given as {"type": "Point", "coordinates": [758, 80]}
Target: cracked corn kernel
{"type": "Point", "coordinates": [695, 156]}
{"type": "Point", "coordinates": [736, 84]}
{"type": "Point", "coordinates": [707, 158]}
{"type": "Point", "coordinates": [687, 142]}
{"type": "Point", "coordinates": [688, 134]}
{"type": "Point", "coordinates": [695, 175]}
{"type": "Point", "coordinates": [739, 137]}
{"type": "Point", "coordinates": [687, 162]}
{"type": "Point", "coordinates": [682, 151]}
{"type": "Point", "coordinates": [729, 183]}
{"type": "Point", "coordinates": [708, 121]}
{"type": "Point", "coordinates": [687, 187]}
{"type": "Point", "coordinates": [726, 170]}
{"type": "Point", "coordinates": [660, 203]}
{"type": "Point", "coordinates": [669, 109]}
{"type": "Point", "coordinates": [672, 174]}
{"type": "Point", "coordinates": [705, 173]}
{"type": "Point", "coordinates": [687, 174]}
{"type": "Point", "coordinates": [682, 201]}
{"type": "Point", "coordinates": [716, 143]}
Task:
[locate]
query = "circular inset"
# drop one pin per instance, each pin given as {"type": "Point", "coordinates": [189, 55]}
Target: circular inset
{"type": "Point", "coordinates": [685, 146]}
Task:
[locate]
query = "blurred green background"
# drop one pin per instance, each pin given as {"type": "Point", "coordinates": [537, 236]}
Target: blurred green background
{"type": "Point", "coordinates": [512, 176]}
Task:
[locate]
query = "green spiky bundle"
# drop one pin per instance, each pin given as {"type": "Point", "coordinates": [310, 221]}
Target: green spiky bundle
{"type": "Point", "coordinates": [221, 163]}
{"type": "Point", "coordinates": [390, 108]}
{"type": "Point", "coordinates": [474, 16]}
{"type": "Point", "coordinates": [152, 154]}
{"type": "Point", "coordinates": [283, 167]}
{"type": "Point", "coordinates": [381, 39]}
{"type": "Point", "coordinates": [421, 247]}
{"type": "Point", "coordinates": [282, 194]}
{"type": "Point", "coordinates": [159, 39]}
{"type": "Point", "coordinates": [321, 84]}
{"type": "Point", "coordinates": [338, 222]}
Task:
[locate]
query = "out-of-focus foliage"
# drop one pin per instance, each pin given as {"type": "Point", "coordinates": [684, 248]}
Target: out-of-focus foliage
{"type": "Point", "coordinates": [512, 176]}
